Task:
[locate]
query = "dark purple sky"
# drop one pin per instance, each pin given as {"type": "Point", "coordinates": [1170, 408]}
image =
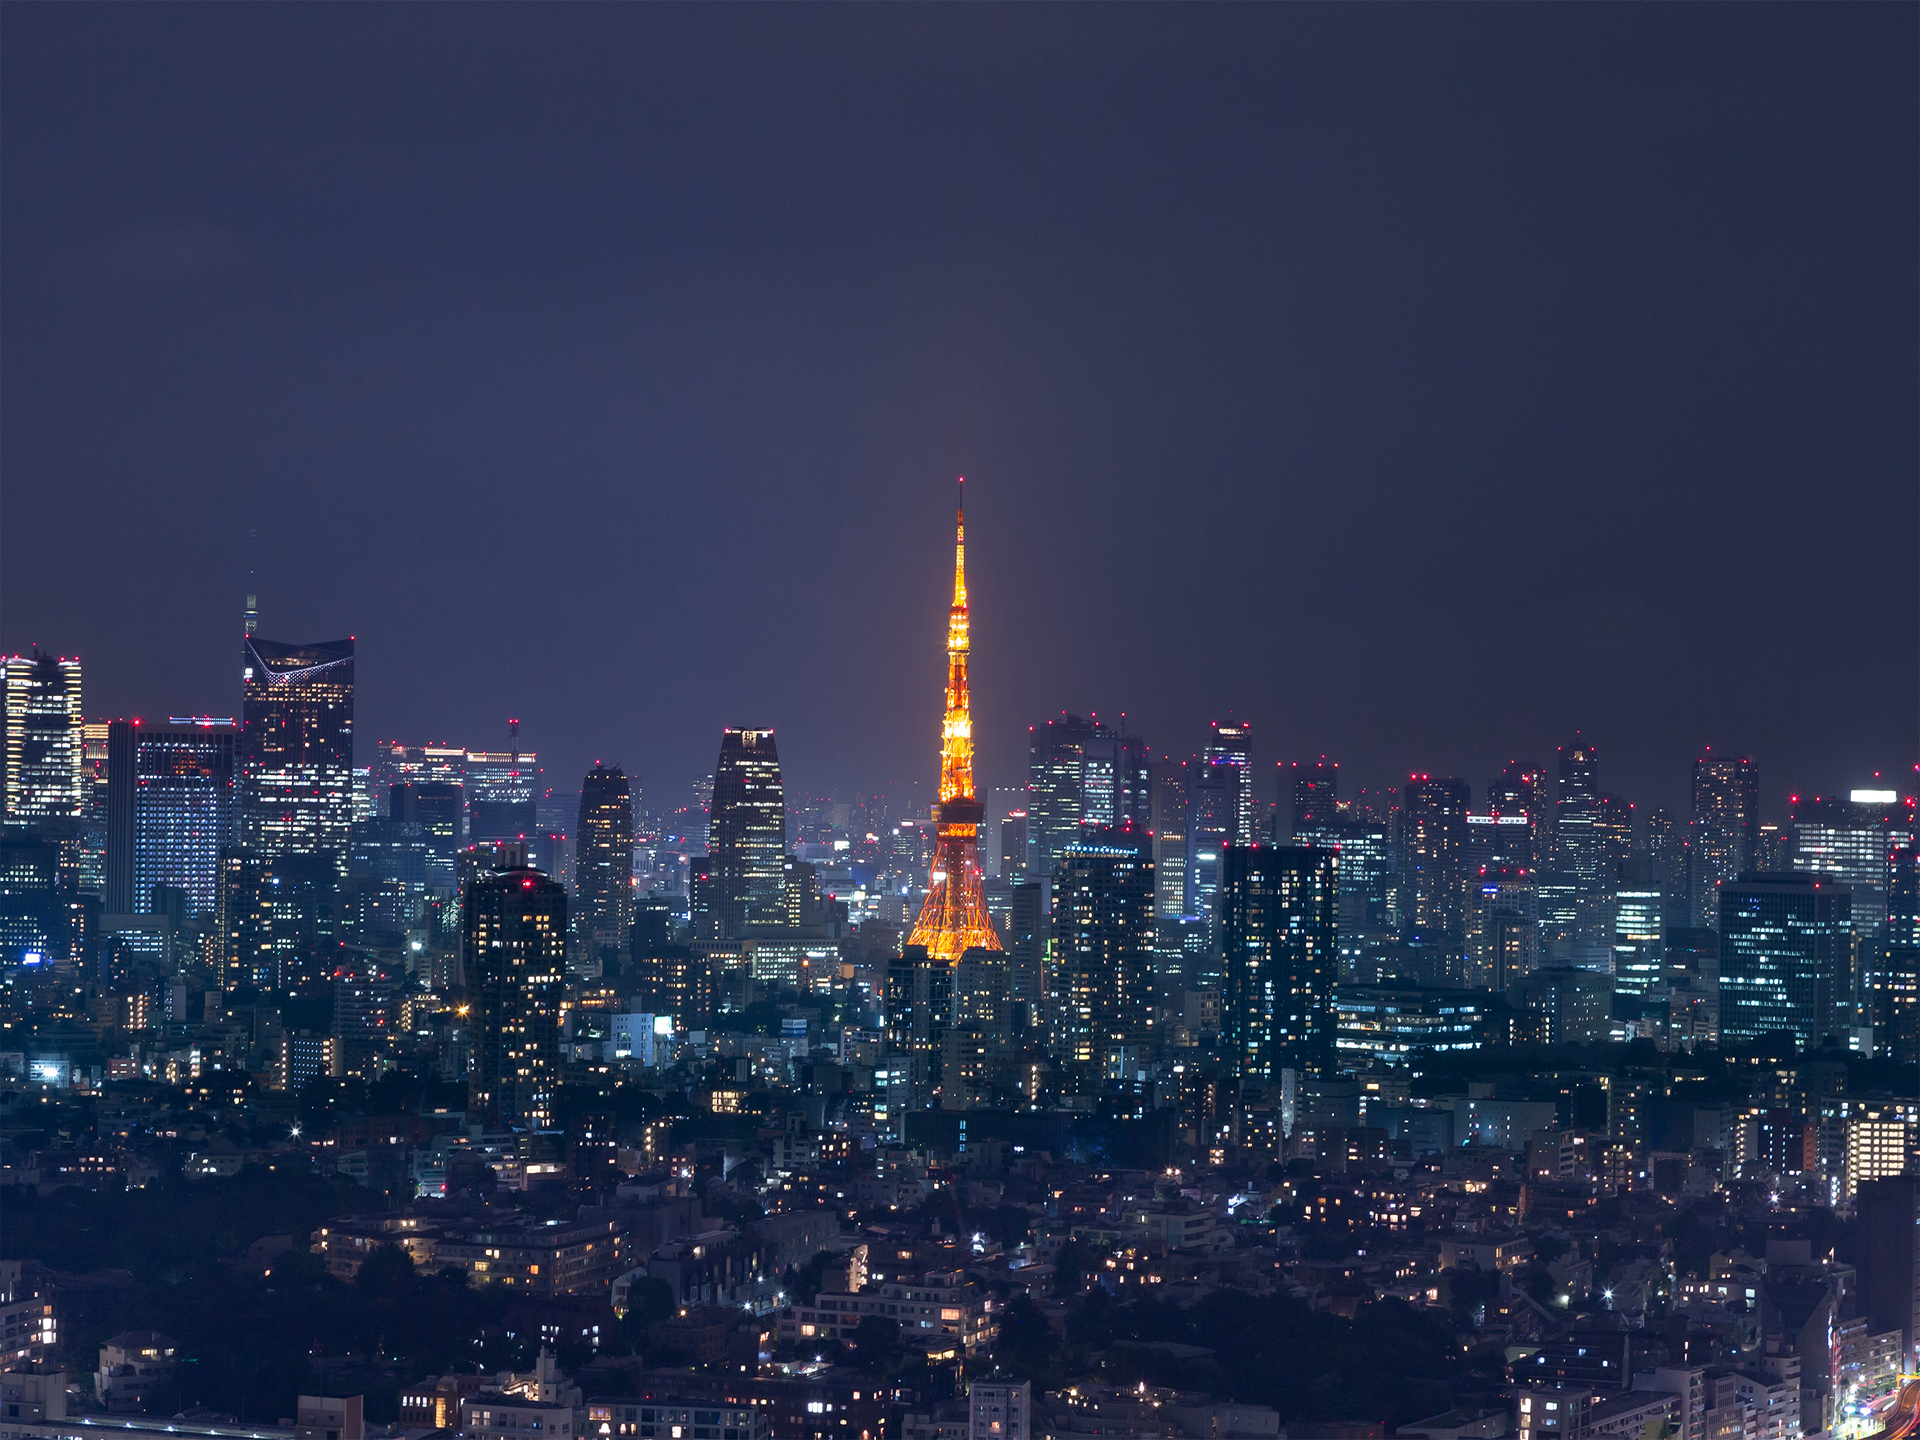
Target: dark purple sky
{"type": "Point", "coordinates": [1418, 383]}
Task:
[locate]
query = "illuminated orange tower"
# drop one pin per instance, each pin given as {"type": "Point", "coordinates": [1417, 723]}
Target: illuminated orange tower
{"type": "Point", "coordinates": [954, 918]}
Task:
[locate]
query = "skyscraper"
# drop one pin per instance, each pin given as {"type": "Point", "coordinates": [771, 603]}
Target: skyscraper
{"type": "Point", "coordinates": [1057, 768]}
{"type": "Point", "coordinates": [1278, 934]}
{"type": "Point", "coordinates": [603, 865]}
{"type": "Point", "coordinates": [514, 925]}
{"type": "Point", "coordinates": [1639, 931]}
{"type": "Point", "coordinates": [44, 738]}
{"type": "Point", "coordinates": [1100, 780]}
{"type": "Point", "coordinates": [953, 920]}
{"type": "Point", "coordinates": [1850, 840]}
{"type": "Point", "coordinates": [747, 836]}
{"type": "Point", "coordinates": [1667, 853]}
{"type": "Point", "coordinates": [1576, 816]}
{"type": "Point", "coordinates": [175, 782]}
{"type": "Point", "coordinates": [439, 808]}
{"type": "Point", "coordinates": [1313, 791]}
{"type": "Point", "coordinates": [1013, 846]}
{"type": "Point", "coordinates": [1503, 926]}
{"type": "Point", "coordinates": [1613, 831]}
{"type": "Point", "coordinates": [1725, 832]}
{"type": "Point", "coordinates": [1103, 944]}
{"type": "Point", "coordinates": [1230, 754]}
{"type": "Point", "coordinates": [1133, 787]}
{"type": "Point", "coordinates": [1786, 957]}
{"type": "Point", "coordinates": [1366, 870]}
{"type": "Point", "coordinates": [1167, 821]}
{"type": "Point", "coordinates": [1897, 996]}
{"type": "Point", "coordinates": [1522, 790]}
{"type": "Point", "coordinates": [1433, 846]}
{"type": "Point", "coordinates": [1027, 945]}
{"type": "Point", "coordinates": [296, 748]}
{"type": "Point", "coordinates": [1217, 803]}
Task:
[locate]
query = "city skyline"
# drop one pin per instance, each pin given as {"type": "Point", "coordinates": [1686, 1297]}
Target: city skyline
{"type": "Point", "coordinates": [1389, 907]}
{"type": "Point", "coordinates": [1290, 414]}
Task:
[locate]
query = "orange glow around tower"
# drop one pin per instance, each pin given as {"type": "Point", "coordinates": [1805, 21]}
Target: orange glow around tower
{"type": "Point", "coordinates": [954, 918]}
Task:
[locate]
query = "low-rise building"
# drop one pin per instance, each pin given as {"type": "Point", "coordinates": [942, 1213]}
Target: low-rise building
{"type": "Point", "coordinates": [940, 1303]}
{"type": "Point", "coordinates": [670, 1417]}
{"type": "Point", "coordinates": [491, 1415]}
{"type": "Point", "coordinates": [541, 1257]}
{"type": "Point", "coordinates": [133, 1366]}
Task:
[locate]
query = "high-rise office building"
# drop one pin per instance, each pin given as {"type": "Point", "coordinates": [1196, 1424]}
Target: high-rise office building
{"type": "Point", "coordinates": [1133, 787]}
{"type": "Point", "coordinates": [1888, 1215]}
{"type": "Point", "coordinates": [1850, 839]}
{"type": "Point", "coordinates": [278, 919]}
{"type": "Point", "coordinates": [387, 863]}
{"type": "Point", "coordinates": [1103, 944]}
{"type": "Point", "coordinates": [1497, 840]}
{"type": "Point", "coordinates": [1014, 843]}
{"type": "Point", "coordinates": [1613, 832]}
{"type": "Point", "coordinates": [1576, 816]}
{"type": "Point", "coordinates": [296, 748]}
{"type": "Point", "coordinates": [1167, 822]}
{"type": "Point", "coordinates": [1433, 846]}
{"type": "Point", "coordinates": [44, 740]}
{"type": "Point", "coordinates": [1639, 929]}
{"type": "Point", "coordinates": [1786, 957]}
{"type": "Point", "coordinates": [1725, 832]}
{"type": "Point", "coordinates": [171, 809]}
{"type": "Point", "coordinates": [1218, 803]}
{"type": "Point", "coordinates": [514, 935]}
{"type": "Point", "coordinates": [1521, 789]}
{"type": "Point", "coordinates": [1666, 846]}
{"type": "Point", "coordinates": [603, 864]}
{"type": "Point", "coordinates": [1367, 878]}
{"type": "Point", "coordinates": [1503, 927]}
{"type": "Point", "coordinates": [1279, 953]}
{"type": "Point", "coordinates": [1064, 756]}
{"type": "Point", "coordinates": [1027, 945]}
{"type": "Point", "coordinates": [953, 919]}
{"type": "Point", "coordinates": [1100, 780]}
{"type": "Point", "coordinates": [747, 835]}
{"type": "Point", "coordinates": [1312, 794]}
{"type": "Point", "coordinates": [439, 808]}
{"type": "Point", "coordinates": [1230, 754]}
{"type": "Point", "coordinates": [1896, 996]}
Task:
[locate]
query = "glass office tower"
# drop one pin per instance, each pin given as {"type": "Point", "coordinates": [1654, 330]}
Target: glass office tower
{"type": "Point", "coordinates": [1786, 957]}
{"type": "Point", "coordinates": [747, 834]}
{"type": "Point", "coordinates": [44, 738]}
{"type": "Point", "coordinates": [170, 809]}
{"type": "Point", "coordinates": [296, 748]}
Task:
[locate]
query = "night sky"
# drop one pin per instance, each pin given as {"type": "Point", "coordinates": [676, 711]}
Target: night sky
{"type": "Point", "coordinates": [1416, 383]}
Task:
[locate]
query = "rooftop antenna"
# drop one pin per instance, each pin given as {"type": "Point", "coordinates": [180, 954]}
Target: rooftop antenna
{"type": "Point", "coordinates": [253, 596]}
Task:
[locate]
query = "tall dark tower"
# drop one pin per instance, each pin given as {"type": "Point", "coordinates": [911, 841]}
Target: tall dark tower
{"type": "Point", "coordinates": [1576, 815]}
{"type": "Point", "coordinates": [747, 834]}
{"type": "Point", "coordinates": [1103, 943]}
{"type": "Point", "coordinates": [514, 934]}
{"type": "Point", "coordinates": [296, 748]}
{"type": "Point", "coordinates": [1725, 831]}
{"type": "Point", "coordinates": [1433, 856]}
{"type": "Point", "coordinates": [1278, 948]}
{"type": "Point", "coordinates": [1315, 795]}
{"type": "Point", "coordinates": [954, 918]}
{"type": "Point", "coordinates": [603, 865]}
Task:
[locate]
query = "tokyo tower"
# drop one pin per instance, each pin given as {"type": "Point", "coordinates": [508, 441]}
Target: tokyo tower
{"type": "Point", "coordinates": [954, 918]}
